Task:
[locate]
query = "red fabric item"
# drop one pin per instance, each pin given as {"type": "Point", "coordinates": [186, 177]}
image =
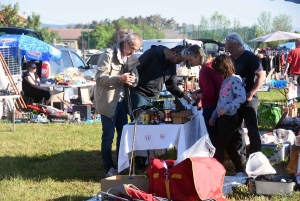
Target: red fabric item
{"type": "Point", "coordinates": [294, 60]}
{"type": "Point", "coordinates": [193, 179]}
{"type": "Point", "coordinates": [210, 84]}
{"type": "Point", "coordinates": [129, 191]}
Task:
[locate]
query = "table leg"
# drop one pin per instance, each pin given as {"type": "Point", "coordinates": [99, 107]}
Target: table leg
{"type": "Point", "coordinates": [79, 96]}
{"type": "Point", "coordinates": [186, 84]}
{"type": "Point", "coordinates": [13, 117]}
{"type": "Point", "coordinates": [192, 83]}
{"type": "Point", "coordinates": [285, 94]}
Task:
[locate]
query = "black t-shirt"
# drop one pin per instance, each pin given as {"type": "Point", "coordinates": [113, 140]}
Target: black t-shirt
{"type": "Point", "coordinates": [246, 66]}
{"type": "Point", "coordinates": [27, 87]}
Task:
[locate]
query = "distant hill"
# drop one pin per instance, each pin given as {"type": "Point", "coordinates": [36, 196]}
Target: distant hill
{"type": "Point", "coordinates": [57, 26]}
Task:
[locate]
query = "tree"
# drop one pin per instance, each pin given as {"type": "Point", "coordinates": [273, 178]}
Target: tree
{"type": "Point", "coordinates": [101, 37]}
{"type": "Point", "coordinates": [216, 27]}
{"type": "Point", "coordinates": [10, 15]}
{"type": "Point", "coordinates": [264, 23]}
{"type": "Point", "coordinates": [49, 35]}
{"type": "Point", "coordinates": [282, 22]}
{"type": "Point", "coordinates": [33, 22]}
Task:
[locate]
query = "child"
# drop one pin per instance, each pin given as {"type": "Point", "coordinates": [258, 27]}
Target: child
{"type": "Point", "coordinates": [231, 96]}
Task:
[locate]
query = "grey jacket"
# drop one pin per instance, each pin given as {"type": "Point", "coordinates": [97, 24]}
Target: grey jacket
{"type": "Point", "coordinates": [108, 85]}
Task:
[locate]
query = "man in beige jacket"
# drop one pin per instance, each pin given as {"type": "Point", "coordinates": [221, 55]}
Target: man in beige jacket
{"type": "Point", "coordinates": [112, 101]}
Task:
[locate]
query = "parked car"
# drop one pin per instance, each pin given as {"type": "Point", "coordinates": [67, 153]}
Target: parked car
{"type": "Point", "coordinates": [18, 30]}
{"type": "Point", "coordinates": [69, 59]}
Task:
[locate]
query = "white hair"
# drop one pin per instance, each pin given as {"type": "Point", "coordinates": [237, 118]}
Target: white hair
{"type": "Point", "coordinates": [134, 36]}
{"type": "Point", "coordinates": [236, 38]}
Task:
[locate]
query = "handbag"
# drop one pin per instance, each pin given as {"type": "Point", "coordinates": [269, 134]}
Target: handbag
{"type": "Point", "coordinates": [195, 178]}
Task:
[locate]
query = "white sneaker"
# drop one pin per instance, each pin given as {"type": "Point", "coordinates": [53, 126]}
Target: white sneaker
{"type": "Point", "coordinates": [240, 174]}
{"type": "Point", "coordinates": [111, 172]}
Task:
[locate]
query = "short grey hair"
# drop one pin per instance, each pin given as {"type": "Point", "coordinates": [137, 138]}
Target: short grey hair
{"type": "Point", "coordinates": [194, 50]}
{"type": "Point", "coordinates": [134, 36]}
{"type": "Point", "coordinates": [235, 37]}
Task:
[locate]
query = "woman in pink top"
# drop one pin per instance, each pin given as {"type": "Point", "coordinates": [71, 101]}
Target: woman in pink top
{"type": "Point", "coordinates": [209, 84]}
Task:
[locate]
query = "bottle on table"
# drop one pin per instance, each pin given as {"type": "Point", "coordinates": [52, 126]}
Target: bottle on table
{"type": "Point", "coordinates": [167, 110]}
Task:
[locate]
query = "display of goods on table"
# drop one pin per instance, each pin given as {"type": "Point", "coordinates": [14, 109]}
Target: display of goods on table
{"type": "Point", "coordinates": [70, 76]}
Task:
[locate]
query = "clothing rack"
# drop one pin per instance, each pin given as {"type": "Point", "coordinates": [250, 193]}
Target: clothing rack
{"type": "Point", "coordinates": [20, 100]}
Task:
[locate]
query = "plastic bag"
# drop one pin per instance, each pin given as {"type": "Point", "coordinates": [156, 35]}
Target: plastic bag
{"type": "Point", "coordinates": [268, 115]}
{"type": "Point", "coordinates": [284, 136]}
{"type": "Point", "coordinates": [202, 148]}
{"type": "Point", "coordinates": [258, 164]}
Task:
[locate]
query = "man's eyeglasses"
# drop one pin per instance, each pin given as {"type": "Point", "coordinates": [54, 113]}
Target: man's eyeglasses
{"type": "Point", "coordinates": [132, 48]}
{"type": "Point", "coordinates": [233, 39]}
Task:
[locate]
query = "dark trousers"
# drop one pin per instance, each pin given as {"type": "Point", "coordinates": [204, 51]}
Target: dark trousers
{"type": "Point", "coordinates": [225, 141]}
{"type": "Point", "coordinates": [108, 130]}
{"type": "Point", "coordinates": [38, 95]}
{"type": "Point", "coordinates": [212, 130]}
{"type": "Point", "coordinates": [248, 113]}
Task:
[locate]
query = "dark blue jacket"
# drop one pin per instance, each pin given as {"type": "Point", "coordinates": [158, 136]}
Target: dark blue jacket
{"type": "Point", "coordinates": [154, 71]}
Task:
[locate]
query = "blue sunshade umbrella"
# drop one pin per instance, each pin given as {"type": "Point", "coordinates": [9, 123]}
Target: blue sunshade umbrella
{"type": "Point", "coordinates": [294, 1]}
{"type": "Point", "coordinates": [31, 48]}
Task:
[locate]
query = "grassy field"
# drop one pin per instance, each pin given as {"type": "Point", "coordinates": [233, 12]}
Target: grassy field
{"type": "Point", "coordinates": [63, 162]}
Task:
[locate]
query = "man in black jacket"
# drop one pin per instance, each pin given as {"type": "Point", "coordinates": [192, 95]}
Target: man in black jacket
{"type": "Point", "coordinates": [157, 67]}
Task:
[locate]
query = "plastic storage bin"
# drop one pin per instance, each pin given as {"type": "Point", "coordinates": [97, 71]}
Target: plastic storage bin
{"type": "Point", "coordinates": [275, 153]}
{"type": "Point", "coordinates": [275, 187]}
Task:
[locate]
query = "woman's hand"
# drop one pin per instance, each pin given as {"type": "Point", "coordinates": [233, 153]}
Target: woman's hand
{"type": "Point", "coordinates": [221, 111]}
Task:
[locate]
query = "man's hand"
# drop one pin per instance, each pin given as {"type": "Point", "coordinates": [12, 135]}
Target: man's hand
{"type": "Point", "coordinates": [221, 111]}
{"type": "Point", "coordinates": [127, 78]}
{"type": "Point", "coordinates": [249, 95]}
{"type": "Point", "coordinates": [212, 121]}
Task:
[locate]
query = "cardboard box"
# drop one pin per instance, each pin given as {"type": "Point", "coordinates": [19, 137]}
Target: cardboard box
{"type": "Point", "coordinates": [140, 181]}
{"type": "Point", "coordinates": [182, 120]}
{"type": "Point", "coordinates": [294, 148]}
{"type": "Point", "coordinates": [179, 120]}
{"type": "Point", "coordinates": [181, 113]}
{"type": "Point", "coordinates": [274, 153]}
{"type": "Point", "coordinates": [292, 112]}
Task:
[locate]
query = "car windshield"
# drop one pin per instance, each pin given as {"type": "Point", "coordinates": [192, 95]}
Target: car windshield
{"type": "Point", "coordinates": [94, 59]}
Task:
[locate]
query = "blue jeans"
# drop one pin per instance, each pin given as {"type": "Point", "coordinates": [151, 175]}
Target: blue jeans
{"type": "Point", "coordinates": [140, 101]}
{"type": "Point", "coordinates": [212, 130]}
{"type": "Point", "coordinates": [108, 130]}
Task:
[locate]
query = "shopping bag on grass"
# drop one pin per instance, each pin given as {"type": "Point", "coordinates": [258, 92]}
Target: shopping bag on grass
{"type": "Point", "coordinates": [192, 179]}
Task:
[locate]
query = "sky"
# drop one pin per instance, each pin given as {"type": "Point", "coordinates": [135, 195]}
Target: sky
{"type": "Point", "coordinates": [189, 12]}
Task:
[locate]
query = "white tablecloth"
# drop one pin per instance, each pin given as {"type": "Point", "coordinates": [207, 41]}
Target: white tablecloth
{"type": "Point", "coordinates": [161, 136]}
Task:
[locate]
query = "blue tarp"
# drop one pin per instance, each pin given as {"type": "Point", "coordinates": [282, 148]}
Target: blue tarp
{"type": "Point", "coordinates": [289, 45]}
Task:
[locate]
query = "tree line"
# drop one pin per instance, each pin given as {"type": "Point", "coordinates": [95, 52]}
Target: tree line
{"type": "Point", "coordinates": [104, 32]}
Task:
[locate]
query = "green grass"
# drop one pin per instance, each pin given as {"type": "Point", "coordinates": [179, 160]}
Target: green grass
{"type": "Point", "coordinates": [50, 162]}
{"type": "Point", "coordinates": [63, 162]}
